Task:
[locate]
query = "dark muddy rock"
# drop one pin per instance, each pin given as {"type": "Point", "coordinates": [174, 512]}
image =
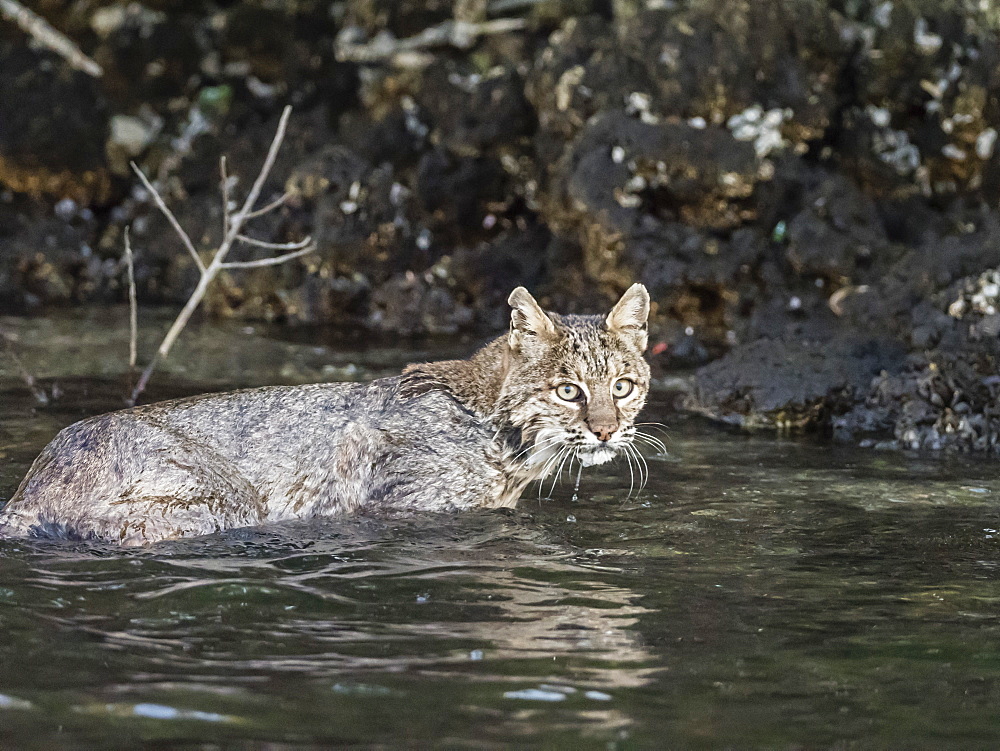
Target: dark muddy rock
{"type": "Point", "coordinates": [934, 59]}
{"type": "Point", "coordinates": [53, 125]}
{"type": "Point", "coordinates": [938, 401]}
{"type": "Point", "coordinates": [837, 233]}
{"type": "Point", "coordinates": [927, 302]}
{"type": "Point", "coordinates": [625, 178]}
{"type": "Point", "coordinates": [470, 112]}
{"type": "Point", "coordinates": [778, 383]}
{"type": "Point", "coordinates": [48, 256]}
{"type": "Point", "coordinates": [717, 59]}
{"type": "Point", "coordinates": [148, 55]}
{"type": "Point", "coordinates": [414, 304]}
{"type": "Point", "coordinates": [402, 18]}
{"type": "Point", "coordinates": [583, 71]}
{"type": "Point", "coordinates": [807, 189]}
{"type": "Point", "coordinates": [456, 192]}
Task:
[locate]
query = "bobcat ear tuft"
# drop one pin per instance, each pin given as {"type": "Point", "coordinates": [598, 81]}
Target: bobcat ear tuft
{"type": "Point", "coordinates": [630, 313]}
{"type": "Point", "coordinates": [527, 318]}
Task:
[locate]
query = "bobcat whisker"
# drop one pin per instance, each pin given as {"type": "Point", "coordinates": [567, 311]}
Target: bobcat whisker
{"type": "Point", "coordinates": [548, 465]}
{"type": "Point", "coordinates": [558, 473]}
{"type": "Point", "coordinates": [652, 441]}
{"type": "Point", "coordinates": [640, 459]}
{"type": "Point", "coordinates": [656, 450]}
{"type": "Point", "coordinates": [562, 456]}
{"type": "Point", "coordinates": [640, 467]}
{"type": "Point", "coordinates": [655, 426]}
{"type": "Point", "coordinates": [631, 472]}
{"type": "Point", "coordinates": [648, 436]}
{"type": "Point", "coordinates": [538, 445]}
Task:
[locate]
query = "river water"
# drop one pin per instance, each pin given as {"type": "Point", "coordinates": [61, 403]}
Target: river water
{"type": "Point", "coordinates": [759, 592]}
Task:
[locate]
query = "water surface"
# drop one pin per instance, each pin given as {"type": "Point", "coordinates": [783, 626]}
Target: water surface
{"type": "Point", "coordinates": [758, 593]}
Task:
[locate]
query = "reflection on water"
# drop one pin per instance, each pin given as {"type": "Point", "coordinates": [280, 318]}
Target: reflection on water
{"type": "Point", "coordinates": [759, 593]}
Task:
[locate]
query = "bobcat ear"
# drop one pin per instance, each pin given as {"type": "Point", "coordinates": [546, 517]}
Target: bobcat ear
{"type": "Point", "coordinates": [630, 314]}
{"type": "Point", "coordinates": [527, 318]}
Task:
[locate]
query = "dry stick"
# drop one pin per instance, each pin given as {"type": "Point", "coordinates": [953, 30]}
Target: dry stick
{"type": "Point", "coordinates": [225, 194]}
{"type": "Point", "coordinates": [235, 223]}
{"type": "Point", "coordinates": [42, 32]}
{"type": "Point", "coordinates": [268, 261]}
{"type": "Point", "coordinates": [40, 396]}
{"type": "Point", "coordinates": [273, 246]}
{"type": "Point", "coordinates": [165, 210]}
{"type": "Point", "coordinates": [133, 308]}
{"type": "Point", "coordinates": [276, 203]}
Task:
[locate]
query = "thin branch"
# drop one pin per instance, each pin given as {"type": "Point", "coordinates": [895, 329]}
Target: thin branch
{"type": "Point", "coordinates": [236, 222]}
{"type": "Point", "coordinates": [258, 185]}
{"type": "Point", "coordinates": [225, 195]}
{"type": "Point", "coordinates": [46, 35]}
{"type": "Point", "coordinates": [268, 261]}
{"type": "Point", "coordinates": [133, 308]}
{"type": "Point", "coordinates": [274, 246]}
{"type": "Point", "coordinates": [162, 206]}
{"type": "Point", "coordinates": [40, 396]}
{"type": "Point", "coordinates": [270, 207]}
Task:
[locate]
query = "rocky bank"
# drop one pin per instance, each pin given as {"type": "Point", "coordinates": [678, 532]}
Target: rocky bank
{"type": "Point", "coordinates": [808, 189]}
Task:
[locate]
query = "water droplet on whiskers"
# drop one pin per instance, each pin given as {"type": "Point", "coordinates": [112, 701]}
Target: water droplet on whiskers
{"type": "Point", "coordinates": [576, 488]}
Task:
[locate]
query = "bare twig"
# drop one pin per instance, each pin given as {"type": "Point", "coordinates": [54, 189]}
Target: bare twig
{"type": "Point", "coordinates": [274, 246]}
{"type": "Point", "coordinates": [165, 210]}
{"type": "Point", "coordinates": [45, 34]}
{"type": "Point", "coordinates": [225, 195]}
{"type": "Point", "coordinates": [37, 391]}
{"type": "Point", "coordinates": [233, 234]}
{"type": "Point", "coordinates": [133, 308]}
{"type": "Point", "coordinates": [277, 203]}
{"type": "Point", "coordinates": [261, 262]}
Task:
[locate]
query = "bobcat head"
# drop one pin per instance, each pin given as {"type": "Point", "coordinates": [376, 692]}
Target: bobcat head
{"type": "Point", "coordinates": [575, 384]}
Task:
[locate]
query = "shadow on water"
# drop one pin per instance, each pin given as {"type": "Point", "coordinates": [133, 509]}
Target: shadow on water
{"type": "Point", "coordinates": [757, 593]}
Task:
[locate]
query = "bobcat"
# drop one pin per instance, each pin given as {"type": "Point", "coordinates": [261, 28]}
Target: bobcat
{"type": "Point", "coordinates": [444, 435]}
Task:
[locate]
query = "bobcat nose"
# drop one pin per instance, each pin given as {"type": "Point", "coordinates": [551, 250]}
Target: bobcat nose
{"type": "Point", "coordinates": [603, 431]}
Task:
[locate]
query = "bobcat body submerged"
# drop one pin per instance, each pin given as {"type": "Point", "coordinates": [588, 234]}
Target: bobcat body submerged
{"type": "Point", "coordinates": [446, 435]}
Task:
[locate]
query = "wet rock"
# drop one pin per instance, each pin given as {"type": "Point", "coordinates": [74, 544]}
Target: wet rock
{"type": "Point", "coordinates": [940, 401]}
{"type": "Point", "coordinates": [777, 383]}
{"type": "Point", "coordinates": [711, 61]}
{"type": "Point", "coordinates": [838, 231]}
{"type": "Point", "coordinates": [412, 304]}
{"type": "Point", "coordinates": [808, 190]}
{"type": "Point", "coordinates": [625, 178]}
{"type": "Point", "coordinates": [583, 71]}
{"type": "Point", "coordinates": [457, 191]}
{"type": "Point", "coordinates": [471, 112]}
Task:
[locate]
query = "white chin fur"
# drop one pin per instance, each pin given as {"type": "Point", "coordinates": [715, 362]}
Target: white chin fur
{"type": "Point", "coordinates": [597, 456]}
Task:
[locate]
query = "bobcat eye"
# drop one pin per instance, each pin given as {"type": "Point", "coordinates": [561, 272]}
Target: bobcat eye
{"type": "Point", "coordinates": [622, 388]}
{"type": "Point", "coordinates": [568, 392]}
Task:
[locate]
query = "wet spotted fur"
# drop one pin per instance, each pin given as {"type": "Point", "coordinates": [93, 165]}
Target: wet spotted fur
{"type": "Point", "coordinates": [446, 435]}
